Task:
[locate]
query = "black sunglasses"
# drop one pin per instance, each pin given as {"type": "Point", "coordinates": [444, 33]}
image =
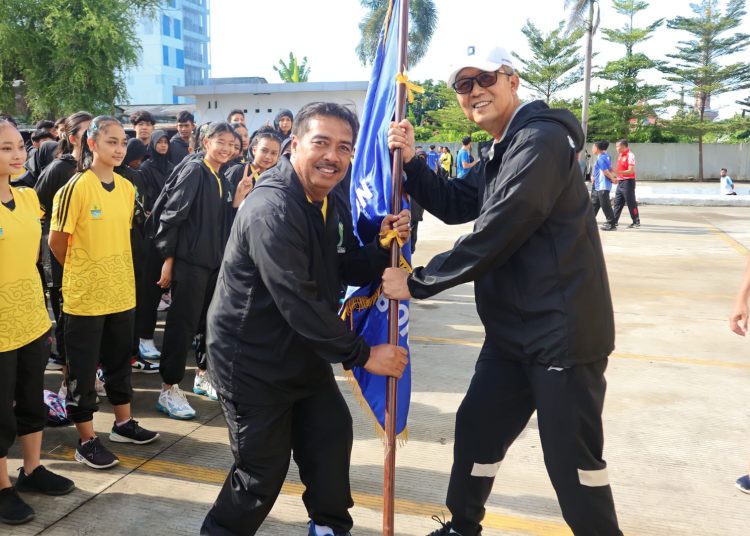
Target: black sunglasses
{"type": "Point", "coordinates": [484, 79]}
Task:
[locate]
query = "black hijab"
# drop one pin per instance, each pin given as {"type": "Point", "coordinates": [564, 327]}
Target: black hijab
{"type": "Point", "coordinates": [160, 161]}
{"type": "Point", "coordinates": [283, 113]}
{"type": "Point", "coordinates": [136, 151]}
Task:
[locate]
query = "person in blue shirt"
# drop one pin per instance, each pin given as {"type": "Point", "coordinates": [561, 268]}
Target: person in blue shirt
{"type": "Point", "coordinates": [433, 159]}
{"type": "Point", "coordinates": [464, 161]}
{"type": "Point", "coordinates": [602, 179]}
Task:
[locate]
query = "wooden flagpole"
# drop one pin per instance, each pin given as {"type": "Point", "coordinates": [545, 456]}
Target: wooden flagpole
{"type": "Point", "coordinates": [389, 477]}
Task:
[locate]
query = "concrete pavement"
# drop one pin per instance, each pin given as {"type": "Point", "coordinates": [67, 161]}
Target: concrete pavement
{"type": "Point", "coordinates": [676, 417]}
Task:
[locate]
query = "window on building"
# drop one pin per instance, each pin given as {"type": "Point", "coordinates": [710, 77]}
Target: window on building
{"type": "Point", "coordinates": [178, 29]}
{"type": "Point", "coordinates": [180, 57]}
{"type": "Point", "coordinates": [172, 3]}
{"type": "Point", "coordinates": [165, 25]}
{"type": "Point", "coordinates": [175, 99]}
{"type": "Point", "coordinates": [165, 54]}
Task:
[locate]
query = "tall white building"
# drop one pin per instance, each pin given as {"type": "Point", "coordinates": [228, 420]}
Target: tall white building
{"type": "Point", "coordinates": [174, 52]}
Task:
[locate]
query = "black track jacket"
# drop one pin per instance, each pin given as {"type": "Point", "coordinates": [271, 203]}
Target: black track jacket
{"type": "Point", "coordinates": [273, 330]}
{"type": "Point", "coordinates": [191, 216]}
{"type": "Point", "coordinates": [535, 254]}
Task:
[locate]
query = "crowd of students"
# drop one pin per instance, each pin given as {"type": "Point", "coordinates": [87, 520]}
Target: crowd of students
{"type": "Point", "coordinates": [111, 228]}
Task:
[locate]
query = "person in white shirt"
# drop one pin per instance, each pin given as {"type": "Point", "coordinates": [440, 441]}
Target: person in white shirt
{"type": "Point", "coordinates": [726, 185]}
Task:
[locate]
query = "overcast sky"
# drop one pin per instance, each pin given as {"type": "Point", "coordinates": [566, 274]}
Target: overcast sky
{"type": "Point", "coordinates": [249, 37]}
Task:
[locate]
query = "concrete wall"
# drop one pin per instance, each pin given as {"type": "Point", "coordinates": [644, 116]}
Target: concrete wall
{"type": "Point", "coordinates": [679, 161]}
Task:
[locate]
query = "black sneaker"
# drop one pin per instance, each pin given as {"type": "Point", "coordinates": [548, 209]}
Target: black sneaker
{"type": "Point", "coordinates": [13, 510]}
{"type": "Point", "coordinates": [131, 432]}
{"type": "Point", "coordinates": [41, 480]}
{"type": "Point", "coordinates": [608, 227]}
{"type": "Point", "coordinates": [445, 528]}
{"type": "Point", "coordinates": [311, 531]}
{"type": "Point", "coordinates": [138, 364]}
{"type": "Point", "coordinates": [55, 362]}
{"type": "Point", "coordinates": [635, 225]}
{"type": "Point", "coordinates": [95, 455]}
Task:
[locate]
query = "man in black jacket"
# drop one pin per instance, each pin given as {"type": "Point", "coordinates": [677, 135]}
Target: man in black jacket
{"type": "Point", "coordinates": [179, 145]}
{"type": "Point", "coordinates": [541, 292]}
{"type": "Point", "coordinates": [273, 332]}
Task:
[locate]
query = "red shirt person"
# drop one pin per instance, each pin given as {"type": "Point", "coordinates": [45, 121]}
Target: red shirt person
{"type": "Point", "coordinates": [626, 184]}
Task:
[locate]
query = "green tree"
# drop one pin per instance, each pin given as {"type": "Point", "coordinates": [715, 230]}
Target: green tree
{"type": "Point", "coordinates": [71, 54]}
{"type": "Point", "coordinates": [555, 64]}
{"type": "Point", "coordinates": [293, 71]}
{"type": "Point", "coordinates": [630, 104]}
{"type": "Point", "coordinates": [584, 14]}
{"type": "Point", "coordinates": [436, 96]}
{"type": "Point", "coordinates": [696, 64]}
{"type": "Point", "coordinates": [422, 22]}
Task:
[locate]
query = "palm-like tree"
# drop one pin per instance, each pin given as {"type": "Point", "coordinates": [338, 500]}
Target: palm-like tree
{"type": "Point", "coordinates": [585, 14]}
{"type": "Point", "coordinates": [293, 71]}
{"type": "Point", "coordinates": [422, 21]}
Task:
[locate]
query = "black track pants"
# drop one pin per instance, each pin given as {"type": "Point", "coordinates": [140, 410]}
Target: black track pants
{"type": "Point", "coordinates": [192, 289]}
{"type": "Point", "coordinates": [317, 430]}
{"type": "Point", "coordinates": [89, 340]}
{"type": "Point", "coordinates": [501, 399]}
{"type": "Point", "coordinates": [626, 196]}
{"type": "Point", "coordinates": [22, 408]}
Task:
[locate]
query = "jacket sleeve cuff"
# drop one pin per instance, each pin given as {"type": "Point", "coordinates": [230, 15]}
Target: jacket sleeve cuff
{"type": "Point", "coordinates": [360, 359]}
{"type": "Point", "coordinates": [417, 288]}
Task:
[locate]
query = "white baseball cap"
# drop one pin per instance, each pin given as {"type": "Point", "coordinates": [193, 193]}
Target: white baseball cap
{"type": "Point", "coordinates": [480, 57]}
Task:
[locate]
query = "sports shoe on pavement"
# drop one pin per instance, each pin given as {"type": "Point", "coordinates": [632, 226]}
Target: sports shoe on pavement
{"type": "Point", "coordinates": [202, 386]}
{"type": "Point", "coordinates": [445, 529]}
{"type": "Point", "coordinates": [41, 480]}
{"type": "Point", "coordinates": [148, 350]}
{"type": "Point", "coordinates": [138, 364]}
{"type": "Point", "coordinates": [132, 432]}
{"type": "Point", "coordinates": [635, 225]}
{"type": "Point", "coordinates": [172, 401]}
{"type": "Point", "coordinates": [743, 484]}
{"type": "Point", "coordinates": [608, 227]}
{"type": "Point", "coordinates": [55, 362]}
{"type": "Point", "coordinates": [101, 390]}
{"type": "Point", "coordinates": [95, 455]}
{"type": "Point", "coordinates": [13, 509]}
{"type": "Point", "coordinates": [327, 531]}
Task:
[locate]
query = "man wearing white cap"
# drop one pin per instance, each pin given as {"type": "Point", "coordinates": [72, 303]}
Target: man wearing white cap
{"type": "Point", "coordinates": [541, 292]}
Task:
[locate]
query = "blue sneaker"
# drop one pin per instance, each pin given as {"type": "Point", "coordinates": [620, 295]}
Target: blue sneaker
{"type": "Point", "coordinates": [743, 484]}
{"type": "Point", "coordinates": [312, 532]}
{"type": "Point", "coordinates": [147, 350]}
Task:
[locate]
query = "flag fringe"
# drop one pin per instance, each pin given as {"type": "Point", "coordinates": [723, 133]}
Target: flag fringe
{"type": "Point", "coordinates": [402, 438]}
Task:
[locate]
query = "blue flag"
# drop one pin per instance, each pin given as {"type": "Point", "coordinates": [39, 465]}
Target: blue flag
{"type": "Point", "coordinates": [365, 308]}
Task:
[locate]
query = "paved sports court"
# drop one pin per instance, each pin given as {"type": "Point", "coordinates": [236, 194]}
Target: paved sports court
{"type": "Point", "coordinates": [676, 419]}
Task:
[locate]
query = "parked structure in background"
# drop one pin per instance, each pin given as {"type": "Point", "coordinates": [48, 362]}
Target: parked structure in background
{"type": "Point", "coordinates": [175, 52]}
{"type": "Point", "coordinates": [261, 101]}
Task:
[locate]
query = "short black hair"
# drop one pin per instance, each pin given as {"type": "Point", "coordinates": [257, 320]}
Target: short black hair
{"type": "Point", "coordinates": [325, 109]}
{"type": "Point", "coordinates": [9, 118]}
{"type": "Point", "coordinates": [45, 124]}
{"type": "Point", "coordinates": [235, 111]}
{"type": "Point", "coordinates": [723, 169]}
{"type": "Point", "coordinates": [185, 117]}
{"type": "Point", "coordinates": [141, 116]}
{"type": "Point", "coordinates": [602, 145]}
{"type": "Point", "coordinates": [42, 134]}
{"type": "Point", "coordinates": [466, 140]}
{"type": "Point", "coordinates": [622, 141]}
{"type": "Point", "coordinates": [432, 147]}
